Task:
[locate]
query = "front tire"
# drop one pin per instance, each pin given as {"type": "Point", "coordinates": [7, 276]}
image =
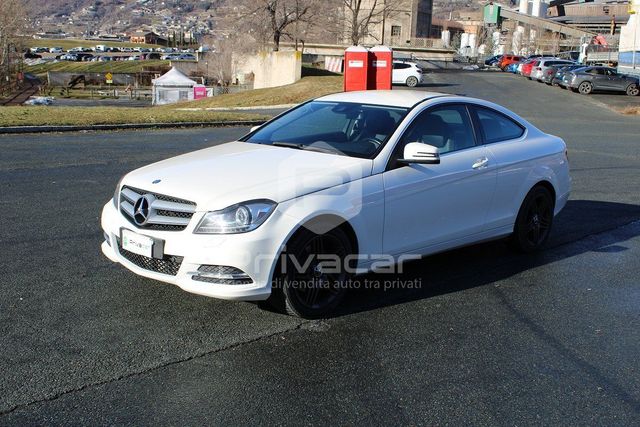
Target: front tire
{"type": "Point", "coordinates": [302, 288]}
{"type": "Point", "coordinates": [633, 90]}
{"type": "Point", "coordinates": [412, 81]}
{"type": "Point", "coordinates": [534, 221]}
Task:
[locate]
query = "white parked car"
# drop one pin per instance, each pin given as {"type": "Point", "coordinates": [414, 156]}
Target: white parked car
{"type": "Point", "coordinates": [334, 188]}
{"type": "Point", "coordinates": [408, 73]}
{"type": "Point", "coordinates": [538, 72]}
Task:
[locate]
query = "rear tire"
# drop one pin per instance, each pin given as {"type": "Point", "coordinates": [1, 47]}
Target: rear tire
{"type": "Point", "coordinates": [585, 88]}
{"type": "Point", "coordinates": [312, 293]}
{"type": "Point", "coordinates": [633, 90]}
{"type": "Point", "coordinates": [412, 81]}
{"type": "Point", "coordinates": [534, 221]}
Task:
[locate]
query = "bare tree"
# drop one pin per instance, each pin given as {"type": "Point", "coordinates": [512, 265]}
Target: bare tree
{"type": "Point", "coordinates": [222, 64]}
{"type": "Point", "coordinates": [271, 20]}
{"type": "Point", "coordinates": [361, 16]}
{"type": "Point", "coordinates": [12, 22]}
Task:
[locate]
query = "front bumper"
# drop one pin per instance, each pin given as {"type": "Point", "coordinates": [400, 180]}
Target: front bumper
{"type": "Point", "coordinates": [254, 253]}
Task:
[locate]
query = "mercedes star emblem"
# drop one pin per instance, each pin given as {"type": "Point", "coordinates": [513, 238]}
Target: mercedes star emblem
{"type": "Point", "coordinates": [141, 210]}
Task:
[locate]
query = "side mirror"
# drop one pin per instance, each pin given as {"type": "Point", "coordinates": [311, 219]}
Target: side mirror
{"type": "Point", "coordinates": [255, 128]}
{"type": "Point", "coordinates": [424, 154]}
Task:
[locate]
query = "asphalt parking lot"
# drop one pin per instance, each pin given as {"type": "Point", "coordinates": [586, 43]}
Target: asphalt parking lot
{"type": "Point", "coordinates": [490, 338]}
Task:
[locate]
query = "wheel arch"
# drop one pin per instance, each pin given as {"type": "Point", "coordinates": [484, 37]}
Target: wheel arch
{"type": "Point", "coordinates": [322, 221]}
{"type": "Point", "coordinates": [548, 185]}
{"type": "Point", "coordinates": [326, 222]}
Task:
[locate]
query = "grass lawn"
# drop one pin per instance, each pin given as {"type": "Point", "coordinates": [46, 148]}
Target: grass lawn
{"type": "Point", "coordinates": [95, 67]}
{"type": "Point", "coordinates": [79, 116]}
{"type": "Point", "coordinates": [303, 90]}
{"type": "Point", "coordinates": [631, 111]}
{"type": "Point", "coordinates": [71, 43]}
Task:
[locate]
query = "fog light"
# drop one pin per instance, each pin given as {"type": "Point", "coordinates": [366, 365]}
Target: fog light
{"type": "Point", "coordinates": [221, 274]}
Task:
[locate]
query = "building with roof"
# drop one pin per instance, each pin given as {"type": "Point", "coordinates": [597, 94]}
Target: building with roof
{"type": "Point", "coordinates": [399, 24]}
{"type": "Point", "coordinates": [598, 16]}
{"type": "Point", "coordinates": [147, 37]}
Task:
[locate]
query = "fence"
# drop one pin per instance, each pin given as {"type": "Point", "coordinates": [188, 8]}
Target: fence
{"type": "Point", "coordinates": [416, 42]}
{"type": "Point", "coordinates": [98, 79]}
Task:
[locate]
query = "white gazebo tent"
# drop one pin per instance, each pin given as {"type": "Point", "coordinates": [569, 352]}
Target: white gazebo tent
{"type": "Point", "coordinates": [172, 87]}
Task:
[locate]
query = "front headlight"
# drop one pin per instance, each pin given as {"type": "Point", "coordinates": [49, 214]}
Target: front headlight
{"type": "Point", "coordinates": [239, 218]}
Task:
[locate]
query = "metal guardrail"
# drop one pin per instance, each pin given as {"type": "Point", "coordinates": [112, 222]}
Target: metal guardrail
{"type": "Point", "coordinates": [396, 41]}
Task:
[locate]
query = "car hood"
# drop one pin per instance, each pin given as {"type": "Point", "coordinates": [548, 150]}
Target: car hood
{"type": "Point", "coordinates": [220, 176]}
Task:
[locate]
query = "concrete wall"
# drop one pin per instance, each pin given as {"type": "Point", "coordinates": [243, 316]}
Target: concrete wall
{"type": "Point", "coordinates": [271, 69]}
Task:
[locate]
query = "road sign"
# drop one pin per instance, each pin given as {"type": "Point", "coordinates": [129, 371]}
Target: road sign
{"type": "Point", "coordinates": [109, 78]}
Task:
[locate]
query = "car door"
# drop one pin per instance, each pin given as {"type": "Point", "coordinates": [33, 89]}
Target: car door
{"type": "Point", "coordinates": [615, 81]}
{"type": "Point", "coordinates": [400, 70]}
{"type": "Point", "coordinates": [427, 205]}
{"type": "Point", "coordinates": [504, 138]}
{"type": "Point", "coordinates": [598, 78]}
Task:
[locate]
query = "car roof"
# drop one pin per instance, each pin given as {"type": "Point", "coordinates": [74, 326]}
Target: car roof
{"type": "Point", "coordinates": [392, 98]}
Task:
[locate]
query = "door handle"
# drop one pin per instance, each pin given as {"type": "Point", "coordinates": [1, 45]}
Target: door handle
{"type": "Point", "coordinates": [481, 163]}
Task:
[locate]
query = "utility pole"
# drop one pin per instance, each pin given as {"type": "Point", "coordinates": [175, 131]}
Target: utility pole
{"type": "Point", "coordinates": [635, 37]}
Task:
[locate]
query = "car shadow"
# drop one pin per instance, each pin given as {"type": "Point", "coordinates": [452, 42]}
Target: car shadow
{"type": "Point", "coordinates": [486, 263]}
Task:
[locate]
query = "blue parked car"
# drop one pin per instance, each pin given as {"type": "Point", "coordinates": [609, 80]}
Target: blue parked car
{"type": "Point", "coordinates": [493, 60]}
{"type": "Point", "coordinates": [512, 68]}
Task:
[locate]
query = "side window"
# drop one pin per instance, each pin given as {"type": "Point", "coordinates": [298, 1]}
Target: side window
{"type": "Point", "coordinates": [400, 66]}
{"type": "Point", "coordinates": [448, 127]}
{"type": "Point", "coordinates": [497, 127]}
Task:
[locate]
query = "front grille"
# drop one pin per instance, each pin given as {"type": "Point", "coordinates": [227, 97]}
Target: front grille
{"type": "Point", "coordinates": [168, 265]}
{"type": "Point", "coordinates": [221, 275]}
{"type": "Point", "coordinates": [165, 212]}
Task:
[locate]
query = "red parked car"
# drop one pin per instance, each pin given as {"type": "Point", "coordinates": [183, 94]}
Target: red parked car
{"type": "Point", "coordinates": [528, 67]}
{"type": "Point", "coordinates": [508, 59]}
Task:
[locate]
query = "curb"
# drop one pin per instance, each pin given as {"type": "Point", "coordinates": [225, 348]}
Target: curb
{"type": "Point", "coordinates": [125, 126]}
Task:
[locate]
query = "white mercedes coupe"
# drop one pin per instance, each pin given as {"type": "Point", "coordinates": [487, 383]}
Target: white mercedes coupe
{"type": "Point", "coordinates": [341, 185]}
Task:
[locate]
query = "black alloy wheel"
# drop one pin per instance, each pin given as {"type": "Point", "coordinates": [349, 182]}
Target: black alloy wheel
{"type": "Point", "coordinates": [534, 221]}
{"type": "Point", "coordinates": [314, 279]}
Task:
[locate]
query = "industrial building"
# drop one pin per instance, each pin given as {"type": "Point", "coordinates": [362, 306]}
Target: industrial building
{"type": "Point", "coordinates": [604, 16]}
{"type": "Point", "coordinates": [401, 24]}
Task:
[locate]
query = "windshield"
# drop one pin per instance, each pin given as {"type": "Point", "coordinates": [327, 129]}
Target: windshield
{"type": "Point", "coordinates": [355, 130]}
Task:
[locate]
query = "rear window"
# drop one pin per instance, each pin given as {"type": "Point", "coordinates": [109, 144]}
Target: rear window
{"type": "Point", "coordinates": [496, 126]}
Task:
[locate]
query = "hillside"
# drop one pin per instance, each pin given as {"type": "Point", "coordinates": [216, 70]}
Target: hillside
{"type": "Point", "coordinates": [118, 16]}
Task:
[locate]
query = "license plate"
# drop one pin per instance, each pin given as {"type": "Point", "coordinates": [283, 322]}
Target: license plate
{"type": "Point", "coordinates": [136, 243]}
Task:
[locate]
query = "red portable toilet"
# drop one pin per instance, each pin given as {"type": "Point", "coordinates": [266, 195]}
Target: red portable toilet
{"type": "Point", "coordinates": [380, 68]}
{"type": "Point", "coordinates": [356, 64]}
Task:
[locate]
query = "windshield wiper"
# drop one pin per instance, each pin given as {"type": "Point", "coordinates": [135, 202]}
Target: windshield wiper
{"type": "Point", "coordinates": [288, 145]}
{"type": "Point", "coordinates": [304, 147]}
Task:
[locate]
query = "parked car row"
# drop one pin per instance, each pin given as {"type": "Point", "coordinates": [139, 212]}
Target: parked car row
{"type": "Point", "coordinates": [88, 57]}
{"type": "Point", "coordinates": [567, 74]}
{"type": "Point", "coordinates": [111, 49]}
